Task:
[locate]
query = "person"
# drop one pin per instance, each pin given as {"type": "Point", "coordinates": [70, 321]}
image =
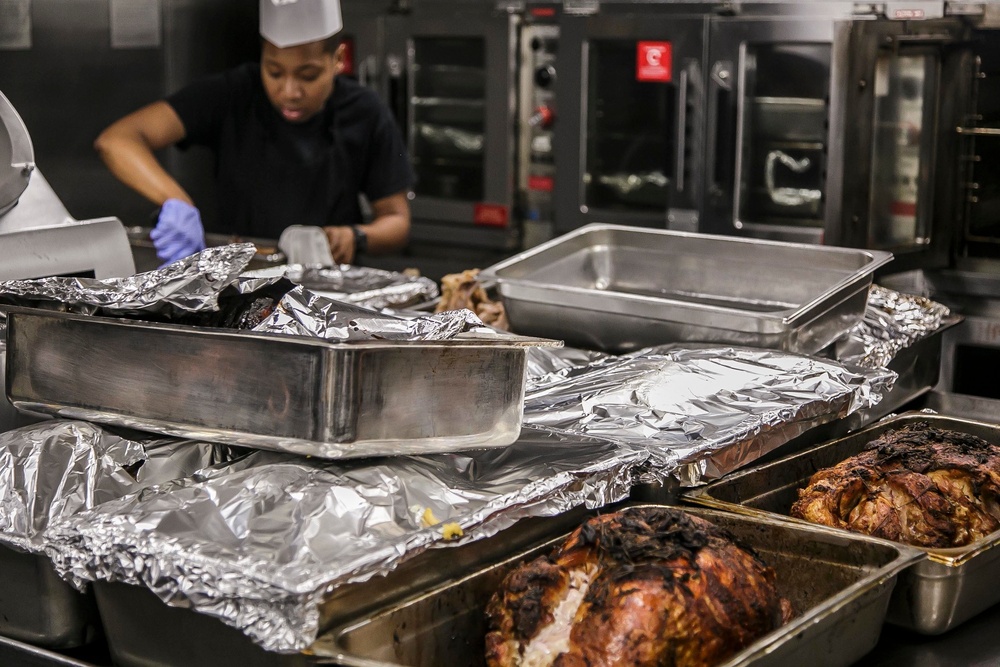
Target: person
{"type": "Point", "coordinates": [294, 143]}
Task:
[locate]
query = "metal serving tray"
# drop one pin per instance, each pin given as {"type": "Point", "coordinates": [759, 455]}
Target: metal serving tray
{"type": "Point", "coordinates": [839, 586]}
{"type": "Point", "coordinates": [620, 288]}
{"type": "Point", "coordinates": [283, 393]}
{"type": "Point", "coordinates": [142, 630]}
{"type": "Point", "coordinates": [38, 607]}
{"type": "Point", "coordinates": [934, 595]}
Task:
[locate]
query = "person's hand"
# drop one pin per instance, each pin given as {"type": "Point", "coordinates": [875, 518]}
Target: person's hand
{"type": "Point", "coordinates": [178, 232]}
{"type": "Point", "coordinates": [341, 240]}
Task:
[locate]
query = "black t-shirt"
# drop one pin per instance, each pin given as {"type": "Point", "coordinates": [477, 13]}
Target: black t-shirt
{"type": "Point", "coordinates": [272, 173]}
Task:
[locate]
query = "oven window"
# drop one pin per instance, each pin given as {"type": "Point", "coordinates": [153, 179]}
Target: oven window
{"type": "Point", "coordinates": [448, 115]}
{"type": "Point", "coordinates": [783, 151]}
{"type": "Point", "coordinates": [630, 132]}
{"type": "Point", "coordinates": [905, 94]}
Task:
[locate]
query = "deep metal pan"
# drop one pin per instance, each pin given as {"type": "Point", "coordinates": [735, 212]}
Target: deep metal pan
{"type": "Point", "coordinates": [620, 288]}
{"type": "Point", "coordinates": [38, 607]}
{"type": "Point", "coordinates": [142, 630]}
{"type": "Point", "coordinates": [283, 393]}
{"type": "Point", "coordinates": [934, 595]}
{"type": "Point", "coordinates": [838, 584]}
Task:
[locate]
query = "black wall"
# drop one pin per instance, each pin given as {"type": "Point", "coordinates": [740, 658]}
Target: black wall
{"type": "Point", "coordinates": [71, 83]}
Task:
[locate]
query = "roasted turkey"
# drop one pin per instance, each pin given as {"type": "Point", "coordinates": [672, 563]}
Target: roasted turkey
{"type": "Point", "coordinates": [919, 485]}
{"type": "Point", "coordinates": [644, 586]}
{"type": "Point", "coordinates": [463, 290]}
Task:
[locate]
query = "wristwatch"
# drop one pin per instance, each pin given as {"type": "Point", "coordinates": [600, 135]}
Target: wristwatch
{"type": "Point", "coordinates": [360, 240]}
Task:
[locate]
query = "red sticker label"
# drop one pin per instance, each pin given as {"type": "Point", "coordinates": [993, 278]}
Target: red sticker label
{"type": "Point", "coordinates": [541, 183]}
{"type": "Point", "coordinates": [654, 61]}
{"type": "Point", "coordinates": [543, 12]}
{"type": "Point", "coordinates": [490, 215]}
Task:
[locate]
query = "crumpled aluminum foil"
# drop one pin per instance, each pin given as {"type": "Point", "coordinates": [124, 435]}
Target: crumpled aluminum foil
{"type": "Point", "coordinates": [258, 543]}
{"type": "Point", "coordinates": [551, 365]}
{"type": "Point", "coordinates": [701, 412]}
{"type": "Point", "coordinates": [359, 285]}
{"type": "Point", "coordinates": [303, 313]}
{"type": "Point", "coordinates": [189, 285]}
{"type": "Point", "coordinates": [893, 321]}
{"type": "Point", "coordinates": [54, 469]}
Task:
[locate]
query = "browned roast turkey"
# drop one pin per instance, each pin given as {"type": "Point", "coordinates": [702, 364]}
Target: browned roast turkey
{"type": "Point", "coordinates": [644, 586]}
{"type": "Point", "coordinates": [463, 290]}
{"type": "Point", "coordinates": [919, 485]}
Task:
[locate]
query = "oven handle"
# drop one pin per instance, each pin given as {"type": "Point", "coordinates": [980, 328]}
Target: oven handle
{"type": "Point", "coordinates": [741, 83]}
{"type": "Point", "coordinates": [720, 79]}
{"type": "Point", "coordinates": [681, 163]}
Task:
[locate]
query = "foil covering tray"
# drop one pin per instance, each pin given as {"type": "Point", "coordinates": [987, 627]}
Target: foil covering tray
{"type": "Point", "coordinates": [142, 630]}
{"type": "Point", "coordinates": [619, 288]}
{"type": "Point", "coordinates": [838, 585]}
{"type": "Point", "coordinates": [266, 543]}
{"type": "Point", "coordinates": [52, 470]}
{"type": "Point", "coordinates": [285, 393]}
{"type": "Point", "coordinates": [359, 285]}
{"type": "Point", "coordinates": [932, 596]}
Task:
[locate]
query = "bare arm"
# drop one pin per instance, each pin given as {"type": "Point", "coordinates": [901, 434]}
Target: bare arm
{"type": "Point", "coordinates": [388, 230]}
{"type": "Point", "coordinates": [127, 147]}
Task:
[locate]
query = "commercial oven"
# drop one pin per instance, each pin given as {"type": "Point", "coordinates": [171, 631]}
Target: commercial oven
{"type": "Point", "coordinates": [629, 140]}
{"type": "Point", "coordinates": [774, 121]}
{"type": "Point", "coordinates": [460, 91]}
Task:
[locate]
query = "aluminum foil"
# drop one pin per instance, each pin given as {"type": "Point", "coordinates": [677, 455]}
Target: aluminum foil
{"type": "Point", "coordinates": [701, 412]}
{"type": "Point", "coordinates": [359, 285]}
{"type": "Point", "coordinates": [192, 284]}
{"type": "Point", "coordinates": [893, 321]}
{"type": "Point", "coordinates": [304, 313]}
{"type": "Point", "coordinates": [54, 469]}
{"type": "Point", "coordinates": [259, 543]}
{"type": "Point", "coordinates": [551, 365]}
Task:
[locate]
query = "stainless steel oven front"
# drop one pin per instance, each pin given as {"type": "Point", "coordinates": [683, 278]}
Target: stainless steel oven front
{"type": "Point", "coordinates": [631, 117]}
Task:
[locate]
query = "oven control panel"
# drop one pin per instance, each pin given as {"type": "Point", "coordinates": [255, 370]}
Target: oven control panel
{"type": "Point", "coordinates": [537, 121]}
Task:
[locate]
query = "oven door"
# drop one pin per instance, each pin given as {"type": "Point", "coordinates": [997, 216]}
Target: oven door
{"type": "Point", "coordinates": [630, 118]}
{"type": "Point", "coordinates": [460, 72]}
{"type": "Point", "coordinates": [908, 89]}
{"type": "Point", "coordinates": [772, 166]}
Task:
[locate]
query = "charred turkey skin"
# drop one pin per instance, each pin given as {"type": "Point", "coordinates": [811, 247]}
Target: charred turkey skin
{"type": "Point", "coordinates": [644, 586]}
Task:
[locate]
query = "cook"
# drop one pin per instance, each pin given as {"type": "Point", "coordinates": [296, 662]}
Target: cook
{"type": "Point", "coordinates": [294, 143]}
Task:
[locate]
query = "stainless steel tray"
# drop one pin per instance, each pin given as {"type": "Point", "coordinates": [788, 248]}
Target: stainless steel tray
{"type": "Point", "coordinates": [838, 584]}
{"type": "Point", "coordinates": [934, 595]}
{"type": "Point", "coordinates": [283, 393]}
{"type": "Point", "coordinates": [620, 288]}
{"type": "Point", "coordinates": [141, 630]}
{"type": "Point", "coordinates": [38, 607]}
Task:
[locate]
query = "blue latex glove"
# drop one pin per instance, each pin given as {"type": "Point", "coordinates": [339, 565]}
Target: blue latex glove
{"type": "Point", "coordinates": [178, 232]}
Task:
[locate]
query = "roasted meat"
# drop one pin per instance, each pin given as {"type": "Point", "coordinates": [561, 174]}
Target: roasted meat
{"type": "Point", "coordinates": [644, 586]}
{"type": "Point", "coordinates": [463, 290]}
{"type": "Point", "coordinates": [919, 485]}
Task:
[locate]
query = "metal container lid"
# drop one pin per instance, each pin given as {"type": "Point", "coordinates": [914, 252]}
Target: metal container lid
{"type": "Point", "coordinates": [17, 157]}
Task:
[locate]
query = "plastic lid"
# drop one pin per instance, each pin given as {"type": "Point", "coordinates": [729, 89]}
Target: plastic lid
{"type": "Point", "coordinates": [17, 157]}
{"type": "Point", "coordinates": [287, 23]}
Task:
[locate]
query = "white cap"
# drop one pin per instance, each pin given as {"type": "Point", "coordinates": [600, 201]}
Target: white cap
{"type": "Point", "coordinates": [294, 22]}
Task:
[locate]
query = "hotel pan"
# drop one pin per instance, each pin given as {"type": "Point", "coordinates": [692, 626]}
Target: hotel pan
{"type": "Point", "coordinates": [285, 393]}
{"type": "Point", "coordinates": [620, 288]}
{"type": "Point", "coordinates": [932, 596]}
{"type": "Point", "coordinates": [38, 607]}
{"type": "Point", "coordinates": [838, 584]}
{"type": "Point", "coordinates": [143, 631]}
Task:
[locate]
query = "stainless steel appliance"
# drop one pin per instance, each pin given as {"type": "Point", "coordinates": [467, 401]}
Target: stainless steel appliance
{"type": "Point", "coordinates": [38, 236]}
{"type": "Point", "coordinates": [773, 163]}
{"type": "Point", "coordinates": [630, 144]}
{"type": "Point", "coordinates": [460, 86]}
